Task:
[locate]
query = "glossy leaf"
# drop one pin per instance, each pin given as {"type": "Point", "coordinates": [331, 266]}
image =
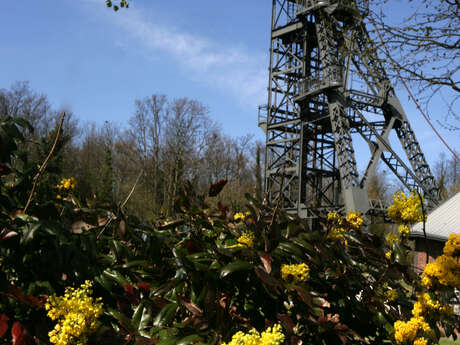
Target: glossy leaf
{"type": "Point", "coordinates": [236, 266]}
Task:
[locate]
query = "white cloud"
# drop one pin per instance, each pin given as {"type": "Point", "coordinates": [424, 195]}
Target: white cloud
{"type": "Point", "coordinates": [234, 69]}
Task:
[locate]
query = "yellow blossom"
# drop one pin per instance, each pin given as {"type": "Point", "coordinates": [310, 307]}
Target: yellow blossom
{"type": "Point", "coordinates": [76, 314]}
{"type": "Point", "coordinates": [239, 216]}
{"type": "Point", "coordinates": [271, 336]}
{"type": "Point", "coordinates": [333, 216]}
{"type": "Point", "coordinates": [406, 210]}
{"type": "Point", "coordinates": [452, 246]}
{"type": "Point", "coordinates": [336, 233]}
{"type": "Point", "coordinates": [67, 184]}
{"type": "Point", "coordinates": [392, 238]}
{"type": "Point", "coordinates": [355, 219]}
{"type": "Point", "coordinates": [388, 255]}
{"type": "Point", "coordinates": [406, 332]}
{"type": "Point", "coordinates": [445, 269]}
{"type": "Point", "coordinates": [420, 341]}
{"type": "Point", "coordinates": [391, 295]}
{"type": "Point", "coordinates": [245, 240]}
{"type": "Point", "coordinates": [297, 273]}
{"type": "Point", "coordinates": [425, 306]}
{"type": "Point", "coordinates": [404, 230]}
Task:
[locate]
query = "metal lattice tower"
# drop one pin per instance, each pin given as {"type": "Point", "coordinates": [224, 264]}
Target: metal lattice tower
{"type": "Point", "coordinates": [326, 86]}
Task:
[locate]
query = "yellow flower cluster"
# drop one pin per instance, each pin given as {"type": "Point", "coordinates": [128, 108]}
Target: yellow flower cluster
{"type": "Point", "coordinates": [298, 273]}
{"type": "Point", "coordinates": [67, 184]}
{"type": "Point", "coordinates": [391, 295]}
{"type": "Point", "coordinates": [392, 238]}
{"type": "Point", "coordinates": [406, 210]}
{"type": "Point", "coordinates": [76, 313]}
{"type": "Point", "coordinates": [426, 306]}
{"type": "Point", "coordinates": [404, 230]}
{"type": "Point", "coordinates": [333, 217]}
{"type": "Point", "coordinates": [336, 233]}
{"type": "Point", "coordinates": [420, 341]}
{"type": "Point", "coordinates": [410, 332]}
{"type": "Point", "coordinates": [246, 240]}
{"type": "Point", "coordinates": [446, 268]}
{"type": "Point", "coordinates": [355, 219]}
{"type": "Point", "coordinates": [388, 254]}
{"type": "Point", "coordinates": [452, 246]}
{"type": "Point", "coordinates": [271, 336]}
{"type": "Point", "coordinates": [337, 230]}
{"type": "Point", "coordinates": [241, 215]}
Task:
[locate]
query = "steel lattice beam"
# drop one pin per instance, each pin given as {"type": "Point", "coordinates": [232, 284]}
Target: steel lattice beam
{"type": "Point", "coordinates": [313, 112]}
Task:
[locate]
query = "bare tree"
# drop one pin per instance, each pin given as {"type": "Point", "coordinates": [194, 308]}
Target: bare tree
{"type": "Point", "coordinates": [423, 48]}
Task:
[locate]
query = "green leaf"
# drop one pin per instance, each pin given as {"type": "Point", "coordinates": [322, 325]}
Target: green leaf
{"type": "Point", "coordinates": [172, 340]}
{"type": "Point", "coordinates": [291, 248]}
{"type": "Point", "coordinates": [235, 267]}
{"type": "Point", "coordinates": [115, 276]}
{"type": "Point", "coordinates": [190, 339]}
{"type": "Point", "coordinates": [28, 232]}
{"type": "Point", "coordinates": [137, 315]}
{"type": "Point", "coordinates": [23, 123]}
{"type": "Point", "coordinates": [165, 315]}
{"type": "Point", "coordinates": [123, 320]}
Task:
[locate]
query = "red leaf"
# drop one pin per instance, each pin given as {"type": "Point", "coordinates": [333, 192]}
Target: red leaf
{"type": "Point", "coordinates": [34, 301]}
{"type": "Point", "coordinates": [217, 187]}
{"type": "Point", "coordinates": [287, 322]}
{"type": "Point", "coordinates": [29, 299]}
{"type": "Point", "coordinates": [19, 334]}
{"type": "Point", "coordinates": [192, 247]}
{"type": "Point", "coordinates": [3, 324]}
{"type": "Point", "coordinates": [132, 295]}
{"type": "Point", "coordinates": [145, 288]}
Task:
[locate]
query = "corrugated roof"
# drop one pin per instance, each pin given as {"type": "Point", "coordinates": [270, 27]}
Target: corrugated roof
{"type": "Point", "coordinates": [442, 221]}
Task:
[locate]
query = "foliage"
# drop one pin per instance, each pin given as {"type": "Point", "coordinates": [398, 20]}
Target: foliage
{"type": "Point", "coordinates": [121, 4]}
{"type": "Point", "coordinates": [208, 275]}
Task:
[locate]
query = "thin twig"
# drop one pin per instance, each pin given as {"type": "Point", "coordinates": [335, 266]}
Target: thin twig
{"type": "Point", "coordinates": [123, 204]}
{"type": "Point", "coordinates": [423, 228]}
{"type": "Point", "coordinates": [44, 164]}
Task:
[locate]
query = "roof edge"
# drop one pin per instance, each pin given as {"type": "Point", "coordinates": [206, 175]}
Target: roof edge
{"type": "Point", "coordinates": [417, 234]}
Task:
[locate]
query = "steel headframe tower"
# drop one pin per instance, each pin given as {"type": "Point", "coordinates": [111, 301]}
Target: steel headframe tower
{"type": "Point", "coordinates": [326, 88]}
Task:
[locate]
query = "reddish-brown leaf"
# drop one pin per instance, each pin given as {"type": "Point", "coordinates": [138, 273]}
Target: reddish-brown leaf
{"type": "Point", "coordinates": [3, 324]}
{"type": "Point", "coordinates": [145, 288]}
{"type": "Point", "coordinates": [267, 261]}
{"type": "Point", "coordinates": [287, 322]}
{"type": "Point", "coordinates": [217, 187]}
{"type": "Point", "coordinates": [19, 334]}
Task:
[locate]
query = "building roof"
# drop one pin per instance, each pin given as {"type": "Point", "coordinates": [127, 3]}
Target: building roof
{"type": "Point", "coordinates": [441, 222]}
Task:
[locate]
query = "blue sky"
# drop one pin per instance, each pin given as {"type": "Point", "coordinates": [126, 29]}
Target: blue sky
{"type": "Point", "coordinates": [96, 62]}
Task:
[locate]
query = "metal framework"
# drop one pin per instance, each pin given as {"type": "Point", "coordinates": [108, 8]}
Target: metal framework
{"type": "Point", "coordinates": [326, 86]}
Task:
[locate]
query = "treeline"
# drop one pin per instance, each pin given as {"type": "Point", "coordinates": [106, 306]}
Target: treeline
{"type": "Point", "coordinates": [165, 144]}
